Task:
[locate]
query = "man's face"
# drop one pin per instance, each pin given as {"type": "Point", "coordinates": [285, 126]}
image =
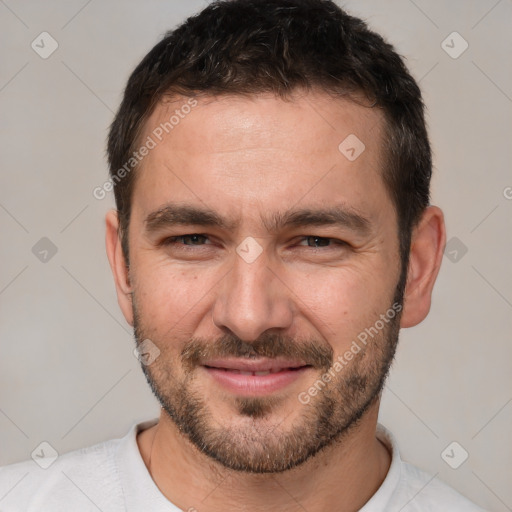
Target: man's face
{"type": "Point", "coordinates": [274, 286]}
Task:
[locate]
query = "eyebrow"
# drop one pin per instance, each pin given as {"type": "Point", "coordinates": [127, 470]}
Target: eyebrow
{"type": "Point", "coordinates": [333, 216]}
{"type": "Point", "coordinates": [174, 214]}
{"type": "Point", "coordinates": [339, 215]}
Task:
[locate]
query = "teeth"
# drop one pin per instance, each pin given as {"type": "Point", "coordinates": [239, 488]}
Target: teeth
{"type": "Point", "coordinates": [265, 372]}
{"type": "Point", "coordinates": [259, 373]}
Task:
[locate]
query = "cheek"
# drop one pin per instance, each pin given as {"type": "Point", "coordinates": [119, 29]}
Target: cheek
{"type": "Point", "coordinates": [169, 299]}
{"type": "Point", "coordinates": [340, 303]}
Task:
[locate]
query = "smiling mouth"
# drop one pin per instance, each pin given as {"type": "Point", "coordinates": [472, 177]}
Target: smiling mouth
{"type": "Point", "coordinates": [250, 377]}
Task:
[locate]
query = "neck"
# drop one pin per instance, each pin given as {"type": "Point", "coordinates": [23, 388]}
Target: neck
{"type": "Point", "coordinates": [342, 477]}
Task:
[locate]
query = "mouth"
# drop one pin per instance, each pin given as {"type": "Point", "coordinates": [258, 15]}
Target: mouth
{"type": "Point", "coordinates": [255, 377]}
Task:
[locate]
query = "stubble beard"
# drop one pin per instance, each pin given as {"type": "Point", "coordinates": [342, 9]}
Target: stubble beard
{"type": "Point", "coordinates": [259, 443]}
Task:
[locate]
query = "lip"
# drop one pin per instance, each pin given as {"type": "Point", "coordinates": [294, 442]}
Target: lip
{"type": "Point", "coordinates": [226, 372]}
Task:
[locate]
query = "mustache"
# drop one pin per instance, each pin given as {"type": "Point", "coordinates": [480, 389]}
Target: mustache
{"type": "Point", "coordinates": [312, 352]}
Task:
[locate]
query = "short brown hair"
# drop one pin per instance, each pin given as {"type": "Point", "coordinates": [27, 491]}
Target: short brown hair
{"type": "Point", "coordinates": [250, 47]}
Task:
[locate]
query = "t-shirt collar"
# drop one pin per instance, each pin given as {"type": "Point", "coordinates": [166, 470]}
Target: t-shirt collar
{"type": "Point", "coordinates": [141, 492]}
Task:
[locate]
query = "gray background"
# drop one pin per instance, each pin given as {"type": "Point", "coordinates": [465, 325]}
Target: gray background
{"type": "Point", "coordinates": [67, 372]}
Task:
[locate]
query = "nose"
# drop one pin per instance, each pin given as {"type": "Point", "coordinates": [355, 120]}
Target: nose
{"type": "Point", "coordinates": [252, 299]}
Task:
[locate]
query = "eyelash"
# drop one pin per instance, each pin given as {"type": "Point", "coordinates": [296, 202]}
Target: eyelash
{"type": "Point", "coordinates": [173, 240]}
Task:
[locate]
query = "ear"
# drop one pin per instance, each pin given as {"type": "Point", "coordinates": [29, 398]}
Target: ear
{"type": "Point", "coordinates": [427, 245]}
{"type": "Point", "coordinates": [118, 265]}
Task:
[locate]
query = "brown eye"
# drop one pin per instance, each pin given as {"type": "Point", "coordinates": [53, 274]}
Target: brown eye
{"type": "Point", "coordinates": [317, 242]}
{"type": "Point", "coordinates": [194, 239]}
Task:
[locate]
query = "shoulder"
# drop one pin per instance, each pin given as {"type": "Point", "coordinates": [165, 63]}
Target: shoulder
{"type": "Point", "coordinates": [420, 491]}
{"type": "Point", "coordinates": [409, 489]}
{"type": "Point", "coordinates": [86, 477]}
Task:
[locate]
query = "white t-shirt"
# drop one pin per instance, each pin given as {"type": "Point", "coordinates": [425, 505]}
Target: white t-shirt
{"type": "Point", "coordinates": [112, 477]}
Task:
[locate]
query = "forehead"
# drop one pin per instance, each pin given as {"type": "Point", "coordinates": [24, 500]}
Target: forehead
{"type": "Point", "coordinates": [235, 152]}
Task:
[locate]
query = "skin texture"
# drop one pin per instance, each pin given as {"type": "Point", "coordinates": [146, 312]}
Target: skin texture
{"type": "Point", "coordinates": [248, 158]}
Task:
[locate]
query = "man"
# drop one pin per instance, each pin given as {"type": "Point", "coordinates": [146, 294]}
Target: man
{"type": "Point", "coordinates": [273, 232]}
